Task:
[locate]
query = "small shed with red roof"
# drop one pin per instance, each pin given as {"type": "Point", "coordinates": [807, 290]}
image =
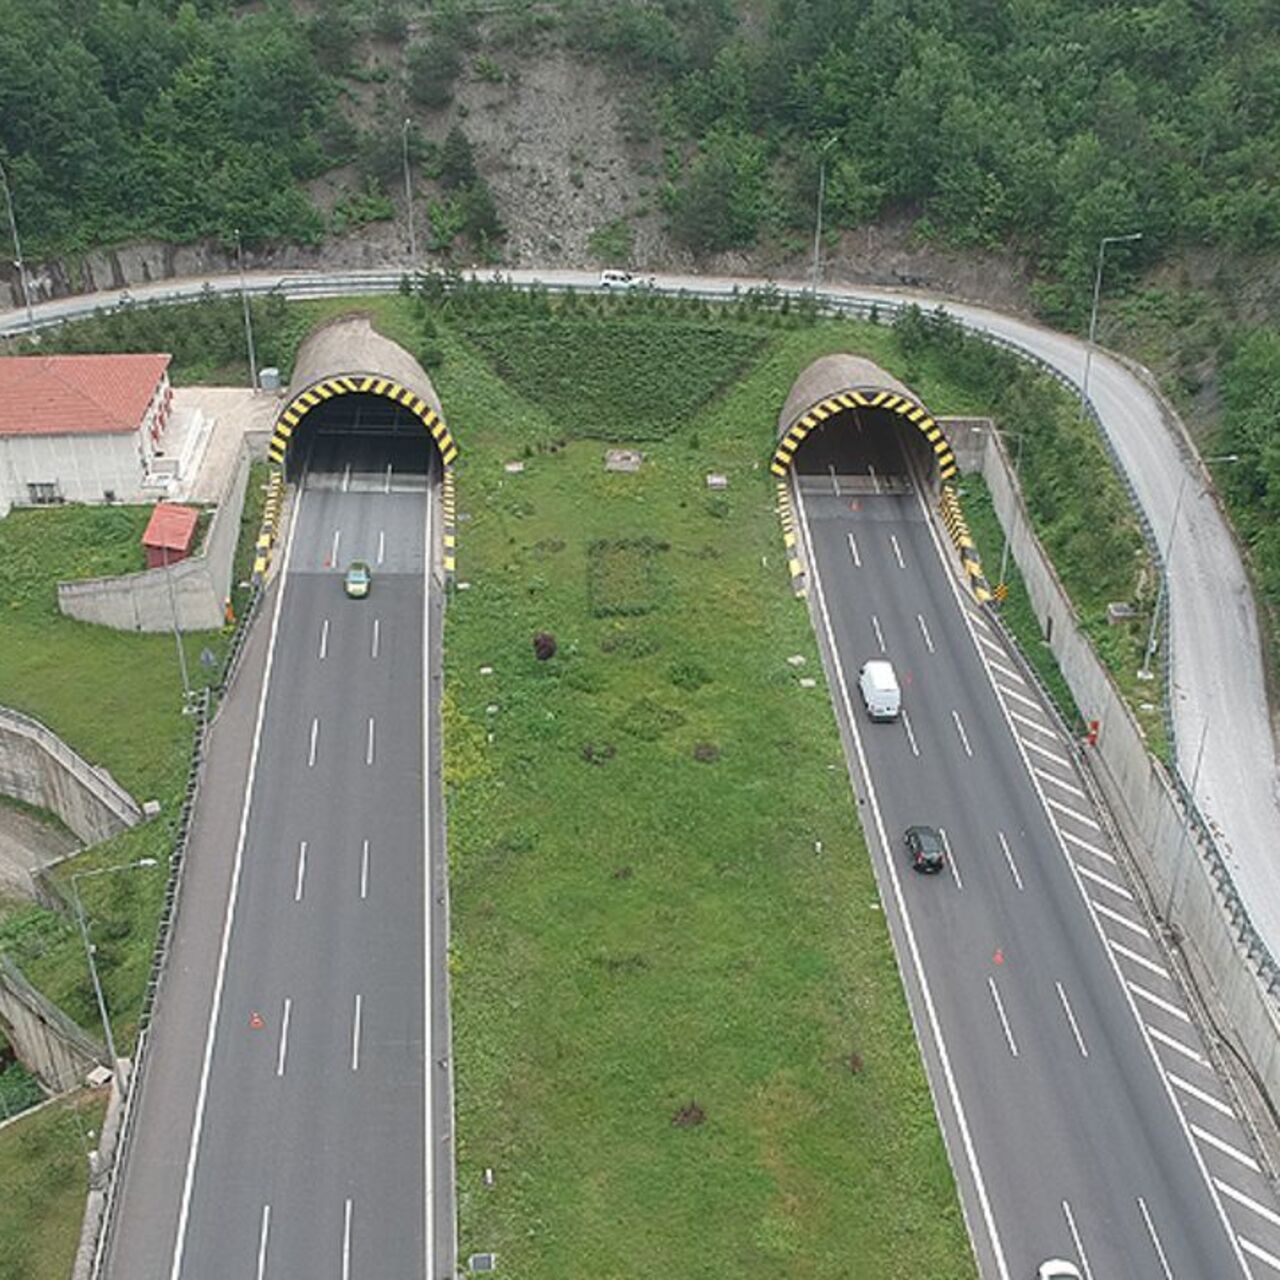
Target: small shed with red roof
{"type": "Point", "coordinates": [170, 534]}
{"type": "Point", "coordinates": [80, 428]}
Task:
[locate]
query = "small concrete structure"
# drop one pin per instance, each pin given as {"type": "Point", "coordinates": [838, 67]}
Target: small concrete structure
{"type": "Point", "coordinates": [623, 459]}
{"type": "Point", "coordinates": [717, 481]}
{"type": "Point", "coordinates": [169, 534]}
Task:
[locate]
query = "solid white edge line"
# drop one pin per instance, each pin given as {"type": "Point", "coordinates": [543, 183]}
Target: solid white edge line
{"type": "Point", "coordinates": [197, 1124]}
{"type": "Point", "coordinates": [262, 1241]}
{"type": "Point", "coordinates": [1079, 1244]}
{"type": "Point", "coordinates": [427, 1034]}
{"type": "Point", "coordinates": [1094, 909]}
{"type": "Point", "coordinates": [926, 996]}
{"type": "Point", "coordinates": [1227, 1149]}
{"type": "Point", "coordinates": [284, 1035]}
{"type": "Point", "coordinates": [1071, 1018]}
{"type": "Point", "coordinates": [1155, 1239]}
{"type": "Point", "coordinates": [1000, 1013]}
{"type": "Point", "coordinates": [355, 1033]}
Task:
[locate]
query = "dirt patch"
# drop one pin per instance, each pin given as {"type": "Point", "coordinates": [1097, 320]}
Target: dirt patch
{"type": "Point", "coordinates": [28, 841]}
{"type": "Point", "coordinates": [688, 1116]}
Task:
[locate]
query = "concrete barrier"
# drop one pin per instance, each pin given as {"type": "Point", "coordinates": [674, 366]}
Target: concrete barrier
{"type": "Point", "coordinates": [194, 591]}
{"type": "Point", "coordinates": [1183, 871]}
{"type": "Point", "coordinates": [52, 1047]}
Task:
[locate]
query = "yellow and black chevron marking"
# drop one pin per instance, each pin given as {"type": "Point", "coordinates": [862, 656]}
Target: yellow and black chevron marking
{"type": "Point", "coordinates": [901, 405]}
{"type": "Point", "coordinates": [270, 525]}
{"type": "Point", "coordinates": [326, 389]}
{"type": "Point", "coordinates": [786, 514]}
{"type": "Point", "coordinates": [449, 510]}
{"type": "Point", "coordinates": [958, 528]}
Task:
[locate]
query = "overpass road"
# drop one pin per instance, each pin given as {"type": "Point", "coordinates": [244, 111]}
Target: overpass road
{"type": "Point", "coordinates": [1077, 1100]}
{"type": "Point", "coordinates": [318, 1139]}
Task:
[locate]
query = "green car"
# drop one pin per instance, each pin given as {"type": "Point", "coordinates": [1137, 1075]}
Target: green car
{"type": "Point", "coordinates": [356, 583]}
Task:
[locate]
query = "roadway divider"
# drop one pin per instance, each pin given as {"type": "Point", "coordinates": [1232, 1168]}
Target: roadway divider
{"type": "Point", "coordinates": [270, 526]}
{"type": "Point", "coordinates": [786, 513]}
{"type": "Point", "coordinates": [958, 529]}
{"type": "Point", "coordinates": [449, 514]}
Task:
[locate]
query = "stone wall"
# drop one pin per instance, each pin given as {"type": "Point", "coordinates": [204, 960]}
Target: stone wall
{"type": "Point", "coordinates": [194, 590]}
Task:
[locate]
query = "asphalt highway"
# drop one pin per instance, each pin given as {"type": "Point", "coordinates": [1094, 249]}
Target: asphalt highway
{"type": "Point", "coordinates": [320, 1140]}
{"type": "Point", "coordinates": [1065, 1132]}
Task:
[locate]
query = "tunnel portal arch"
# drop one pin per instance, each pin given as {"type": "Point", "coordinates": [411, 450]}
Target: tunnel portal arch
{"type": "Point", "coordinates": [347, 356]}
{"type": "Point", "coordinates": [836, 384]}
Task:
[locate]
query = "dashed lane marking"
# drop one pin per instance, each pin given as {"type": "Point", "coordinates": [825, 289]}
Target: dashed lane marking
{"type": "Point", "coordinates": [1159, 1001]}
{"type": "Point", "coordinates": [1119, 919]}
{"type": "Point", "coordinates": [1218, 1144]}
{"type": "Point", "coordinates": [1150, 965]}
{"type": "Point", "coordinates": [1081, 818]}
{"type": "Point", "coordinates": [1118, 889]}
{"type": "Point", "coordinates": [1089, 848]}
{"type": "Point", "coordinates": [1059, 782]}
{"type": "Point", "coordinates": [1172, 1042]}
{"type": "Point", "coordinates": [1200, 1095]}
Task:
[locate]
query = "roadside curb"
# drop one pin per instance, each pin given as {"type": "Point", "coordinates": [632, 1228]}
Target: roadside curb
{"type": "Point", "coordinates": [958, 529]}
{"type": "Point", "coordinates": [449, 515]}
{"type": "Point", "coordinates": [795, 565]}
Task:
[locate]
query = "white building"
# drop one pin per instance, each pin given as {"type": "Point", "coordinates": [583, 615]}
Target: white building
{"type": "Point", "coordinates": [81, 428]}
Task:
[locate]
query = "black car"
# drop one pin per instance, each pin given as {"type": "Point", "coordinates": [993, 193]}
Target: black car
{"type": "Point", "coordinates": [925, 847]}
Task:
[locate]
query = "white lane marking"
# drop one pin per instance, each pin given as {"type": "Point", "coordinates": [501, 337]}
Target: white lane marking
{"type": "Point", "coordinates": [1226, 1148]}
{"type": "Point", "coordinates": [333, 553]}
{"type": "Point", "coordinates": [1200, 1095]}
{"type": "Point", "coordinates": [377, 627]}
{"type": "Point", "coordinates": [875, 626]}
{"type": "Point", "coordinates": [284, 1035]}
{"type": "Point", "coordinates": [364, 870]}
{"type": "Point", "coordinates": [1081, 818]}
{"type": "Point", "coordinates": [202, 1094]}
{"type": "Point", "coordinates": [1059, 782]}
{"type": "Point", "coordinates": [1267, 1214]}
{"type": "Point", "coordinates": [346, 478]}
{"type": "Point", "coordinates": [1048, 755]}
{"type": "Point", "coordinates": [1257, 1251]}
{"type": "Point", "coordinates": [1037, 725]}
{"type": "Point", "coordinates": [386, 484]}
{"type": "Point", "coordinates": [897, 551]}
{"type": "Point", "coordinates": [1007, 672]}
{"type": "Point", "coordinates": [1099, 879]}
{"type": "Point", "coordinates": [964, 737]}
{"type": "Point", "coordinates": [1159, 1001]}
{"type": "Point", "coordinates": [1096, 850]}
{"type": "Point", "coordinates": [1019, 697]}
{"type": "Point", "coordinates": [382, 544]}
{"type": "Point", "coordinates": [913, 947]}
{"type": "Point", "coordinates": [853, 551]}
{"type": "Point", "coordinates": [355, 1033]}
{"type": "Point", "coordinates": [1122, 920]}
{"type": "Point", "coordinates": [302, 870]}
{"type": "Point", "coordinates": [346, 1242]}
{"type": "Point", "coordinates": [1150, 965]}
{"type": "Point", "coordinates": [924, 631]}
{"type": "Point", "coordinates": [1008, 857]}
{"type": "Point", "coordinates": [835, 482]}
{"type": "Point", "coordinates": [1079, 1244]}
{"type": "Point", "coordinates": [1155, 1239]}
{"type": "Point", "coordinates": [1171, 1042]}
{"type": "Point", "coordinates": [324, 639]}
{"type": "Point", "coordinates": [982, 623]}
{"type": "Point", "coordinates": [428, 995]}
{"type": "Point", "coordinates": [949, 858]}
{"type": "Point", "coordinates": [1071, 1018]}
{"type": "Point", "coordinates": [875, 479]}
{"type": "Point", "coordinates": [911, 737]}
{"type": "Point", "coordinates": [262, 1241]}
{"type": "Point", "coordinates": [368, 750]}
{"type": "Point", "coordinates": [315, 737]}
{"type": "Point", "coordinates": [1004, 1022]}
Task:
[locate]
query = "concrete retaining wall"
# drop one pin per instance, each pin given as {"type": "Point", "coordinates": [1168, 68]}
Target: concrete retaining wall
{"type": "Point", "coordinates": [56, 1051]}
{"type": "Point", "coordinates": [195, 589]}
{"type": "Point", "coordinates": [1186, 882]}
{"type": "Point", "coordinates": [36, 766]}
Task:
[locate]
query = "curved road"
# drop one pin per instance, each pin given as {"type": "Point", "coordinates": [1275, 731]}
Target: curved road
{"type": "Point", "coordinates": [1217, 664]}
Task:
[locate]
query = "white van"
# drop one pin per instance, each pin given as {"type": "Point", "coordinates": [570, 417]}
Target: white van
{"type": "Point", "coordinates": [880, 693]}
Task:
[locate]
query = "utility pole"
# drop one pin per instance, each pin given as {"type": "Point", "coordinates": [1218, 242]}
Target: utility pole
{"type": "Point", "coordinates": [817, 222]}
{"type": "Point", "coordinates": [248, 321]}
{"type": "Point", "coordinates": [17, 256]}
{"type": "Point", "coordinates": [1093, 317]}
{"type": "Point", "coordinates": [408, 193]}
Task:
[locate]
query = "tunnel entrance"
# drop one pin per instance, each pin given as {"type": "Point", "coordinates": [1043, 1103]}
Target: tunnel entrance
{"type": "Point", "coordinates": [847, 418]}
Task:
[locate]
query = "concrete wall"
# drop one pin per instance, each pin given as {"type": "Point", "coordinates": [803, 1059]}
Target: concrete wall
{"type": "Point", "coordinates": [1175, 859]}
{"type": "Point", "coordinates": [56, 1051]}
{"type": "Point", "coordinates": [38, 767]}
{"type": "Point", "coordinates": [84, 467]}
{"type": "Point", "coordinates": [195, 590]}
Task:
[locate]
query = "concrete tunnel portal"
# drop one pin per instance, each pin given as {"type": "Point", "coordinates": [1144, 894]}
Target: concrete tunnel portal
{"type": "Point", "coordinates": [359, 402]}
{"type": "Point", "coordinates": [846, 416]}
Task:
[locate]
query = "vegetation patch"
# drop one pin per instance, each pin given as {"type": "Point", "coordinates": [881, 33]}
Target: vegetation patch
{"type": "Point", "coordinates": [622, 576]}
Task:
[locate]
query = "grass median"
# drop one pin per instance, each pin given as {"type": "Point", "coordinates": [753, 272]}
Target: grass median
{"type": "Point", "coordinates": [681, 1039]}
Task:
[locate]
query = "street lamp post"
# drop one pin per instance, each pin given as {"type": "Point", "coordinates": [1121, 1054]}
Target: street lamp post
{"type": "Point", "coordinates": [408, 192]}
{"type": "Point", "coordinates": [822, 192]}
{"type": "Point", "coordinates": [248, 322]}
{"type": "Point", "coordinates": [17, 255]}
{"type": "Point", "coordinates": [1144, 671]}
{"type": "Point", "coordinates": [1093, 316]}
{"type": "Point", "coordinates": [88, 946]}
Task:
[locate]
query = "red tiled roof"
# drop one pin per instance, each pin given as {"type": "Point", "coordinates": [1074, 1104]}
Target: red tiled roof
{"type": "Point", "coordinates": [171, 526]}
{"type": "Point", "coordinates": [76, 395]}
